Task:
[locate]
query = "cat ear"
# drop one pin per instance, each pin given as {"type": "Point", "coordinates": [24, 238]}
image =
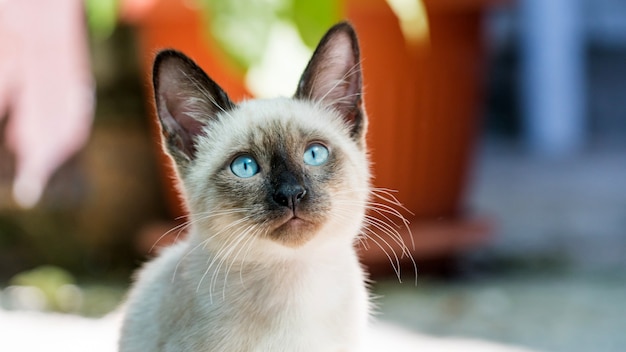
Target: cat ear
{"type": "Point", "coordinates": [186, 100]}
{"type": "Point", "coordinates": [333, 77]}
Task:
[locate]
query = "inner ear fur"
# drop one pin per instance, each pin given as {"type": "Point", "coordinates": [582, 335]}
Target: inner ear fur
{"type": "Point", "coordinates": [186, 99]}
{"type": "Point", "coordinates": [333, 77]}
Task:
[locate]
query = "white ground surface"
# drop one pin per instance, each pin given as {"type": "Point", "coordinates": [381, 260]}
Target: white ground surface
{"type": "Point", "coordinates": [31, 331]}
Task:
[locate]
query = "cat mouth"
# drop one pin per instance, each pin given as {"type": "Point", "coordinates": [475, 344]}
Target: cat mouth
{"type": "Point", "coordinates": [291, 216]}
{"type": "Point", "coordinates": [292, 220]}
{"type": "Point", "coordinates": [293, 230]}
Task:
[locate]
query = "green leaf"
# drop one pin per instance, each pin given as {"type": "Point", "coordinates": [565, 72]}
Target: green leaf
{"type": "Point", "coordinates": [242, 27]}
{"type": "Point", "coordinates": [101, 17]}
{"type": "Point", "coordinates": [314, 17]}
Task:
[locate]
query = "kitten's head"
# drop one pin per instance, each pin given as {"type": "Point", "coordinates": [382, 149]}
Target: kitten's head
{"type": "Point", "coordinates": [287, 170]}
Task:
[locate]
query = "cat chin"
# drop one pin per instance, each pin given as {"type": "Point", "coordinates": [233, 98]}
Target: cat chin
{"type": "Point", "coordinates": [294, 231]}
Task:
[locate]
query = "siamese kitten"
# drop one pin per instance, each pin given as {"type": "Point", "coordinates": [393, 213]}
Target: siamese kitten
{"type": "Point", "coordinates": [277, 192]}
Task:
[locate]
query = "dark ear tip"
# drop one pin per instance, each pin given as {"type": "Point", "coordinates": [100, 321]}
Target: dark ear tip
{"type": "Point", "coordinates": [345, 27]}
{"type": "Point", "coordinates": [159, 58]}
{"type": "Point", "coordinates": [172, 56]}
{"type": "Point", "coordinates": [167, 54]}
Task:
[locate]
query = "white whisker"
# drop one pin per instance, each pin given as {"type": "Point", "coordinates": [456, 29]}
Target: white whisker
{"type": "Point", "coordinates": [355, 69]}
{"type": "Point", "coordinates": [203, 243]}
{"type": "Point", "coordinates": [246, 237]}
{"type": "Point", "coordinates": [376, 228]}
{"type": "Point", "coordinates": [218, 255]}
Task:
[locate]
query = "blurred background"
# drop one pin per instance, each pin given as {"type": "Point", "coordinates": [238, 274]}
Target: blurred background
{"type": "Point", "coordinates": [500, 123]}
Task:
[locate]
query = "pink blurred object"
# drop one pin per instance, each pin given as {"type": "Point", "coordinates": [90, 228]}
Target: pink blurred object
{"type": "Point", "coordinates": [46, 86]}
{"type": "Point", "coordinates": [132, 11]}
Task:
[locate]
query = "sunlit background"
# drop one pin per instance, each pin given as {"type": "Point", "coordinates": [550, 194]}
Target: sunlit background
{"type": "Point", "coordinates": [500, 123]}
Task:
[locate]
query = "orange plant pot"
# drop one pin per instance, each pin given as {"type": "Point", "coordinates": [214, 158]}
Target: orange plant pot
{"type": "Point", "coordinates": [424, 104]}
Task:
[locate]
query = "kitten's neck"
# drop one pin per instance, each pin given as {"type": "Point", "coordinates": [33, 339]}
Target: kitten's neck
{"type": "Point", "coordinates": [259, 252]}
{"type": "Point", "coordinates": [223, 276]}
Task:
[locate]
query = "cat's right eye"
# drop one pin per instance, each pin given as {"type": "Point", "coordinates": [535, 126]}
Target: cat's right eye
{"type": "Point", "coordinates": [244, 166]}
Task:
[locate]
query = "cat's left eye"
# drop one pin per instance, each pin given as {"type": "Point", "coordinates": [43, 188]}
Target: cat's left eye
{"type": "Point", "coordinates": [244, 166]}
{"type": "Point", "coordinates": [315, 154]}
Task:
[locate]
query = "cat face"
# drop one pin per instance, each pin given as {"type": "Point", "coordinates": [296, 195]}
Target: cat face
{"type": "Point", "coordinates": [284, 170]}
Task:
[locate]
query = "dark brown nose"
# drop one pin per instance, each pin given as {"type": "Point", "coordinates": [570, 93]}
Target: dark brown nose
{"type": "Point", "coordinates": [289, 195]}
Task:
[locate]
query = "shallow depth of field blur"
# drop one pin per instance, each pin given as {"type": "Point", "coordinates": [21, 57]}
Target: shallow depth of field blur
{"type": "Point", "coordinates": [539, 193]}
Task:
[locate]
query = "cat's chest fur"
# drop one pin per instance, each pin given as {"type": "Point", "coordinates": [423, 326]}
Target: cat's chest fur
{"type": "Point", "coordinates": [297, 305]}
{"type": "Point", "coordinates": [324, 307]}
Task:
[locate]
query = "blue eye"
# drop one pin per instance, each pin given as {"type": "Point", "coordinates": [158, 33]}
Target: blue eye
{"type": "Point", "coordinates": [315, 154]}
{"type": "Point", "coordinates": [244, 166]}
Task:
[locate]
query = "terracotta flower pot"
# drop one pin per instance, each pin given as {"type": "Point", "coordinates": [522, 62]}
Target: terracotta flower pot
{"type": "Point", "coordinates": [424, 104]}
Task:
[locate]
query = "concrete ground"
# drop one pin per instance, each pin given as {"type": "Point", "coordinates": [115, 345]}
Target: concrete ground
{"type": "Point", "coordinates": [32, 331]}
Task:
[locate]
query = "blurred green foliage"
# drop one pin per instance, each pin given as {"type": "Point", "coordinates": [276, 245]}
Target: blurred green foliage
{"type": "Point", "coordinates": [313, 18]}
{"type": "Point", "coordinates": [101, 17]}
{"type": "Point", "coordinates": [243, 27]}
{"type": "Point", "coordinates": [53, 282]}
{"type": "Point", "coordinates": [47, 278]}
{"type": "Point", "coordinates": [59, 291]}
